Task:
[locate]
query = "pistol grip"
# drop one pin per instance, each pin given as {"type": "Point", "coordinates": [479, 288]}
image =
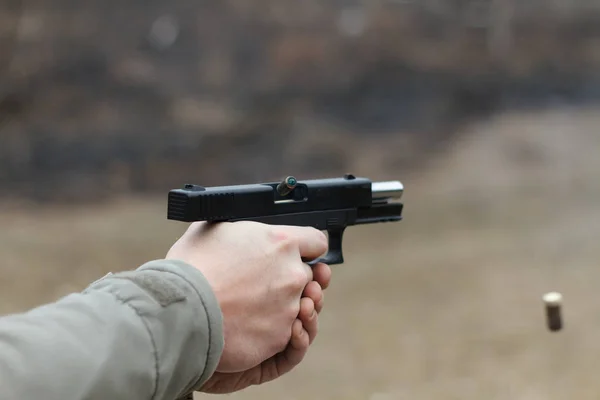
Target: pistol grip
{"type": "Point", "coordinates": [334, 255]}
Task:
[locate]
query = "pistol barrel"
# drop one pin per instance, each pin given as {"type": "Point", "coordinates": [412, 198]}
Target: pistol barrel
{"type": "Point", "coordinates": [387, 190]}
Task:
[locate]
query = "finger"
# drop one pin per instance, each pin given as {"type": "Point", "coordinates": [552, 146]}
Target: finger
{"type": "Point", "coordinates": [308, 316]}
{"type": "Point", "coordinates": [299, 341]}
{"type": "Point", "coordinates": [295, 351]}
{"type": "Point", "coordinates": [322, 274]}
{"type": "Point", "coordinates": [279, 364]}
{"type": "Point", "coordinates": [312, 243]}
{"type": "Point", "coordinates": [315, 293]}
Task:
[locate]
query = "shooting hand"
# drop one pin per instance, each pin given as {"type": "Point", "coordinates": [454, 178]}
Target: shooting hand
{"type": "Point", "coordinates": [258, 277]}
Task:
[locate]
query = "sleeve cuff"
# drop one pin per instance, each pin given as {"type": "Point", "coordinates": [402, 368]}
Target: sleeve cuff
{"type": "Point", "coordinates": [204, 292]}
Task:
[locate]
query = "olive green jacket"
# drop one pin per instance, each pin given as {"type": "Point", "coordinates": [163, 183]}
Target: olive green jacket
{"type": "Point", "coordinates": [150, 334]}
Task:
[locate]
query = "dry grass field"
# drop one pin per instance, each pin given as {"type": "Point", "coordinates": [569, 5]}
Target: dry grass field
{"type": "Point", "coordinates": [444, 305]}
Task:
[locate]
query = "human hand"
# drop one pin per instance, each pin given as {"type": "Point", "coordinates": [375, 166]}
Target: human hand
{"type": "Point", "coordinates": [304, 331]}
{"type": "Point", "coordinates": [258, 277]}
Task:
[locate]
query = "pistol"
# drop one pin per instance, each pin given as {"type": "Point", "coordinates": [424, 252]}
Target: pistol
{"type": "Point", "coordinates": [329, 205]}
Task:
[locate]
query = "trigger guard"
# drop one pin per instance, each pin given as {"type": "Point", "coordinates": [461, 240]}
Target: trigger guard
{"type": "Point", "coordinates": [314, 262]}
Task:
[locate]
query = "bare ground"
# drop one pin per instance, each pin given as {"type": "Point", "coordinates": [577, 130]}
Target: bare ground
{"type": "Point", "coordinates": [444, 305]}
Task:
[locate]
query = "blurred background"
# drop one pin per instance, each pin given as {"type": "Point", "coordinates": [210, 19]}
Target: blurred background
{"type": "Point", "coordinates": [488, 111]}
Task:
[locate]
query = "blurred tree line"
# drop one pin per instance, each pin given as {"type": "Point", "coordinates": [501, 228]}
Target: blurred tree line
{"type": "Point", "coordinates": [101, 97]}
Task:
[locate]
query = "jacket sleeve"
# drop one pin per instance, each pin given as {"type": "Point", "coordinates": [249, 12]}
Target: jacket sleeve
{"type": "Point", "coordinates": [150, 334]}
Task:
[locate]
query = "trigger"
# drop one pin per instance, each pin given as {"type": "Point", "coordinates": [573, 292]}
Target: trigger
{"type": "Point", "coordinates": [313, 262]}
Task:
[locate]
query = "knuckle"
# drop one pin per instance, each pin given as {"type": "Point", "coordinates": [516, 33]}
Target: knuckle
{"type": "Point", "coordinates": [278, 235]}
{"type": "Point", "coordinates": [298, 278]}
{"type": "Point", "coordinates": [282, 240]}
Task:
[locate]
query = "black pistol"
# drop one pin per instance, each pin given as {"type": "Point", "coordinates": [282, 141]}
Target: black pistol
{"type": "Point", "coordinates": [326, 204]}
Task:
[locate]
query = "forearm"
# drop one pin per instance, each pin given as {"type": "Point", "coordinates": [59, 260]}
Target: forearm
{"type": "Point", "coordinates": [146, 334]}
